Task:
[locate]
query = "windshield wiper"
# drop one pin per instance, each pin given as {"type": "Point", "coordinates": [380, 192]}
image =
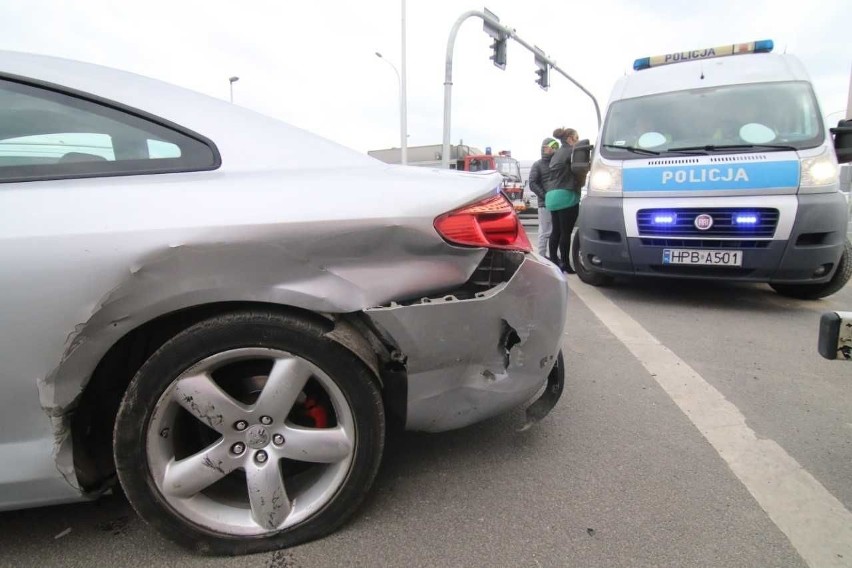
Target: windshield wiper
{"type": "Point", "coordinates": [633, 149]}
{"type": "Point", "coordinates": [636, 150]}
{"type": "Point", "coordinates": [718, 147]}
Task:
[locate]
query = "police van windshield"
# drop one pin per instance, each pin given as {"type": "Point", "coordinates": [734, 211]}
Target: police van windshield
{"type": "Point", "coordinates": [732, 118]}
{"type": "Point", "coordinates": [509, 167]}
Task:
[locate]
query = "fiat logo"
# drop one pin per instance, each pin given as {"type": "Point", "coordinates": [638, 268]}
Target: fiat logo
{"type": "Point", "coordinates": [703, 222]}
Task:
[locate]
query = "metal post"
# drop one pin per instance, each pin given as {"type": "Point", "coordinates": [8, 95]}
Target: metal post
{"type": "Point", "coordinates": [403, 97]}
{"type": "Point", "coordinates": [402, 125]}
{"type": "Point", "coordinates": [448, 84]}
{"type": "Point", "coordinates": [448, 74]}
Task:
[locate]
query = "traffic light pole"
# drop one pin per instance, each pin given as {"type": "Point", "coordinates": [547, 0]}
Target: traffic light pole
{"type": "Point", "coordinates": [448, 73]}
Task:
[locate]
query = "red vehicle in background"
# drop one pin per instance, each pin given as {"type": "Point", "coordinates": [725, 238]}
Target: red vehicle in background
{"type": "Point", "coordinates": [504, 163]}
{"type": "Point", "coordinates": [464, 158]}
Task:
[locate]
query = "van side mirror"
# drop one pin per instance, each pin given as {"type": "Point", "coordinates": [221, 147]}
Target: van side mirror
{"type": "Point", "coordinates": [843, 141]}
{"type": "Point", "coordinates": [835, 335]}
{"type": "Point", "coordinates": [581, 157]}
{"type": "Point", "coordinates": [581, 161]}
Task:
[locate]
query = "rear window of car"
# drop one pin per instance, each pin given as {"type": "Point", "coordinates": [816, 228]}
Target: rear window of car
{"type": "Point", "coordinates": [49, 134]}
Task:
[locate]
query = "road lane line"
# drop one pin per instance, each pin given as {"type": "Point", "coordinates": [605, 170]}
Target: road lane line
{"type": "Point", "coordinates": [816, 523]}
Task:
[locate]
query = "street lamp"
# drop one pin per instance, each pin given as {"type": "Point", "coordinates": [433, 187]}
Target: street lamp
{"type": "Point", "coordinates": [403, 127]}
{"type": "Point", "coordinates": [231, 81]}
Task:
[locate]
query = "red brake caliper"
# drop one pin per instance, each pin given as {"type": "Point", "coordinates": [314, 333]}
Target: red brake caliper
{"type": "Point", "coordinates": [317, 413]}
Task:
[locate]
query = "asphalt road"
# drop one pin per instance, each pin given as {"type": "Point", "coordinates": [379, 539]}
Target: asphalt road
{"type": "Point", "coordinates": [626, 471]}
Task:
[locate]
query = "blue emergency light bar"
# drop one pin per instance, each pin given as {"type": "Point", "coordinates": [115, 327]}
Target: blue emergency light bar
{"type": "Point", "coordinates": [665, 219]}
{"type": "Point", "coordinates": [761, 46]}
{"type": "Point", "coordinates": [746, 219]}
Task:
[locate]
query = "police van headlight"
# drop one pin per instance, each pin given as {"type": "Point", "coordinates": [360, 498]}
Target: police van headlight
{"type": "Point", "coordinates": [819, 171]}
{"type": "Point", "coordinates": [605, 178]}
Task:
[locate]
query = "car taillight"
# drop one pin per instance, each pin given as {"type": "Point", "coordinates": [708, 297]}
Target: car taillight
{"type": "Point", "coordinates": [490, 223]}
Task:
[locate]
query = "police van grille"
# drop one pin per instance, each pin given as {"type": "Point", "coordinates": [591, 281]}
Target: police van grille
{"type": "Point", "coordinates": [705, 243]}
{"type": "Point", "coordinates": [738, 158]}
{"type": "Point", "coordinates": [673, 162]}
{"type": "Point", "coordinates": [723, 223]}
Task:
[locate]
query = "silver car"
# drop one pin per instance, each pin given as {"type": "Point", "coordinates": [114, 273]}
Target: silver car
{"type": "Point", "coordinates": [173, 317]}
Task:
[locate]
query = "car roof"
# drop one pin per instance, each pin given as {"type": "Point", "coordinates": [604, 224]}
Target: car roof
{"type": "Point", "coordinates": [244, 138]}
{"type": "Point", "coordinates": [731, 70]}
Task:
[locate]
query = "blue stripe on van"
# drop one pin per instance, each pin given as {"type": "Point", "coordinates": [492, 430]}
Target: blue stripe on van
{"type": "Point", "coordinates": [784, 174]}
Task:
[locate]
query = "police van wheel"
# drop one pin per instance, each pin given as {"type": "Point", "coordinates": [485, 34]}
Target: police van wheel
{"type": "Point", "coordinates": [586, 273]}
{"type": "Point", "coordinates": [817, 291]}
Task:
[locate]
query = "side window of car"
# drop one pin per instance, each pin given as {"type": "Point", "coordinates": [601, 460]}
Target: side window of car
{"type": "Point", "coordinates": [47, 134]}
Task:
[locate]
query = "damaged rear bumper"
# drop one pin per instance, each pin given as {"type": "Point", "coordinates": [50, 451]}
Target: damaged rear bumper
{"type": "Point", "coordinates": [470, 359]}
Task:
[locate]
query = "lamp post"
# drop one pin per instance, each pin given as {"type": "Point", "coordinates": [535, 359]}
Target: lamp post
{"type": "Point", "coordinates": [403, 134]}
{"type": "Point", "coordinates": [231, 81]}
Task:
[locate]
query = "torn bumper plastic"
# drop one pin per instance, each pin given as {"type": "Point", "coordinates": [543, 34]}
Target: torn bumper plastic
{"type": "Point", "coordinates": [471, 359]}
{"type": "Point", "coordinates": [551, 395]}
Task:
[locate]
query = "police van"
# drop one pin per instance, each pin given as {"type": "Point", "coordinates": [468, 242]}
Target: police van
{"type": "Point", "coordinates": [716, 163]}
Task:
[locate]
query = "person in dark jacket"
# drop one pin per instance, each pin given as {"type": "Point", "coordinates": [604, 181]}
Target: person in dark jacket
{"type": "Point", "coordinates": [539, 176]}
{"type": "Point", "coordinates": [562, 199]}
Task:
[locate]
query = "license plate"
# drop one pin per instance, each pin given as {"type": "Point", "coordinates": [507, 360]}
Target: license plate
{"type": "Point", "coordinates": [703, 257]}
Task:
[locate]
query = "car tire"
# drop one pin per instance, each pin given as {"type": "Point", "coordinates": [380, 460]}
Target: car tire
{"type": "Point", "coordinates": [586, 274]}
{"type": "Point", "coordinates": [816, 291]}
{"type": "Point", "coordinates": [249, 432]}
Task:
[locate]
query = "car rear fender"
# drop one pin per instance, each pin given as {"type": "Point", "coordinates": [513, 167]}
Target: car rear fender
{"type": "Point", "coordinates": [187, 276]}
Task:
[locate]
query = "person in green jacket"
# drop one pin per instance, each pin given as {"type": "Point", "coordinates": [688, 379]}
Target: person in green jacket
{"type": "Point", "coordinates": [562, 199]}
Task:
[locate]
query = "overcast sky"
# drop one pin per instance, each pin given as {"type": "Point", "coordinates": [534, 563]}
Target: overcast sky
{"type": "Point", "coordinates": [313, 64]}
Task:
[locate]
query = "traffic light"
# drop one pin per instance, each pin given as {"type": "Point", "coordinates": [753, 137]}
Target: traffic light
{"type": "Point", "coordinates": [499, 55]}
{"type": "Point", "coordinates": [543, 71]}
{"type": "Point", "coordinates": [491, 26]}
{"type": "Point", "coordinates": [543, 77]}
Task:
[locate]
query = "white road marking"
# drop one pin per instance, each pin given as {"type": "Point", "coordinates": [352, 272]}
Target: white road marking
{"type": "Point", "coordinates": [816, 523]}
